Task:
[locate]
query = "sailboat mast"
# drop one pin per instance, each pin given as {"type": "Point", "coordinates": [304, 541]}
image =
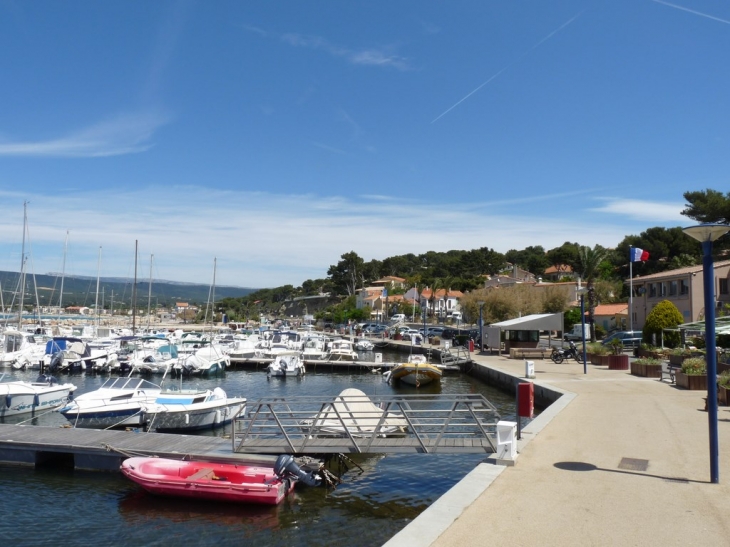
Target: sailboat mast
{"type": "Point", "coordinates": [22, 266]}
{"type": "Point", "coordinates": [63, 273]}
{"type": "Point", "coordinates": [134, 292]}
{"type": "Point", "coordinates": [149, 293]}
{"type": "Point", "coordinates": [96, 303]}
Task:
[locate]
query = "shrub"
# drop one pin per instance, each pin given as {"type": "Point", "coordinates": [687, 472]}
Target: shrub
{"type": "Point", "coordinates": [616, 346]}
{"type": "Point", "coordinates": [665, 315]}
{"type": "Point", "coordinates": [724, 379]}
{"type": "Point", "coordinates": [694, 366]}
{"type": "Point", "coordinates": [647, 361]}
{"type": "Point", "coordinates": [600, 332]}
{"type": "Point", "coordinates": [681, 352]}
{"type": "Point", "coordinates": [597, 349]}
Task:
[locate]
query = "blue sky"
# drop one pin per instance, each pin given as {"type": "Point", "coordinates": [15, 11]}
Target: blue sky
{"type": "Point", "coordinates": [276, 136]}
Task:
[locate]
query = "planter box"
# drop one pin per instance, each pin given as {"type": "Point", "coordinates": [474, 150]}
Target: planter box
{"type": "Point", "coordinates": [677, 359]}
{"type": "Point", "coordinates": [723, 395]}
{"type": "Point", "coordinates": [618, 362]}
{"type": "Point", "coordinates": [646, 371]}
{"type": "Point", "coordinates": [694, 381]}
{"type": "Point", "coordinates": [651, 354]}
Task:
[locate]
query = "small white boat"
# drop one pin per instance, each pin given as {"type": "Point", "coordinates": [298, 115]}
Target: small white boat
{"type": "Point", "coordinates": [185, 410]}
{"type": "Point", "coordinates": [206, 361]}
{"type": "Point", "coordinates": [353, 413]}
{"type": "Point", "coordinates": [342, 350]}
{"type": "Point", "coordinates": [364, 345]}
{"type": "Point", "coordinates": [18, 397]}
{"type": "Point", "coordinates": [20, 349]}
{"type": "Point", "coordinates": [117, 403]}
{"type": "Point", "coordinates": [286, 364]}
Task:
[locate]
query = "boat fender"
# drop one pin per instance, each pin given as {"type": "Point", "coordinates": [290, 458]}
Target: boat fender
{"type": "Point", "coordinates": [8, 401]}
{"type": "Point", "coordinates": [285, 466]}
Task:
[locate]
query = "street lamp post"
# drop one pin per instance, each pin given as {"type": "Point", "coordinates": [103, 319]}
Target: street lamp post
{"type": "Point", "coordinates": [583, 327]}
{"type": "Point", "coordinates": [481, 327]}
{"type": "Point", "coordinates": [706, 234]}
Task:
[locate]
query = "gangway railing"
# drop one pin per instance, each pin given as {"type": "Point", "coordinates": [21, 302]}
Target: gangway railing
{"type": "Point", "coordinates": [455, 355]}
{"type": "Point", "coordinates": [355, 422]}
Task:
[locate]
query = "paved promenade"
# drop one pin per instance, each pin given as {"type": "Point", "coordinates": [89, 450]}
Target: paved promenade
{"type": "Point", "coordinates": [577, 480]}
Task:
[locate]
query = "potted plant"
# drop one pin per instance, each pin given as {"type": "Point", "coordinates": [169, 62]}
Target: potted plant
{"type": "Point", "coordinates": [678, 355]}
{"type": "Point", "coordinates": [723, 388]}
{"type": "Point", "coordinates": [693, 374]}
{"type": "Point", "coordinates": [651, 352]}
{"type": "Point", "coordinates": [616, 359]}
{"type": "Point", "coordinates": [598, 354]}
{"type": "Point", "coordinates": [646, 367]}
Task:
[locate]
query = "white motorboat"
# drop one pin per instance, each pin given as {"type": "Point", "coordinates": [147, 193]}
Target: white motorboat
{"type": "Point", "coordinates": [117, 403]}
{"type": "Point", "coordinates": [18, 397]}
{"type": "Point", "coordinates": [342, 350]}
{"type": "Point", "coordinates": [353, 413]}
{"type": "Point", "coordinates": [184, 410]}
{"type": "Point", "coordinates": [158, 360]}
{"type": "Point", "coordinates": [286, 364]}
{"type": "Point", "coordinates": [206, 361]}
{"type": "Point", "coordinates": [364, 345]}
{"type": "Point", "coordinates": [20, 349]}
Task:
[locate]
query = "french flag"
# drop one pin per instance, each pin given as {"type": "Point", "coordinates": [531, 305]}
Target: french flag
{"type": "Point", "coordinates": [639, 255]}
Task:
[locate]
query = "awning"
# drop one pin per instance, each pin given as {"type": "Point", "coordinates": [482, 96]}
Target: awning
{"type": "Point", "coordinates": [537, 321]}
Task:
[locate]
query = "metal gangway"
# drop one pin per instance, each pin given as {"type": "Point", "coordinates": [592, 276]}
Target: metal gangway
{"type": "Point", "coordinates": [353, 422]}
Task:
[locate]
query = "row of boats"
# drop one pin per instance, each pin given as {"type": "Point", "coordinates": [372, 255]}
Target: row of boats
{"type": "Point", "coordinates": [176, 353]}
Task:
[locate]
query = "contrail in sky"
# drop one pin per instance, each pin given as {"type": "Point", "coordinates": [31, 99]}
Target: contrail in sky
{"type": "Point", "coordinates": [693, 11]}
{"type": "Point", "coordinates": [553, 33]}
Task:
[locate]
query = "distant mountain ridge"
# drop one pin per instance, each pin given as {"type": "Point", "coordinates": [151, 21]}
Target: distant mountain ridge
{"type": "Point", "coordinates": [81, 291]}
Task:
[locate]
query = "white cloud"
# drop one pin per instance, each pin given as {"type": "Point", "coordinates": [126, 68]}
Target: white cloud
{"type": "Point", "coordinates": [648, 211]}
{"type": "Point", "coordinates": [123, 134]}
{"type": "Point", "coordinates": [267, 240]}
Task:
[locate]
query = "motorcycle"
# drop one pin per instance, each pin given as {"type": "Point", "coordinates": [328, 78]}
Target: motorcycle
{"type": "Point", "coordinates": [559, 354]}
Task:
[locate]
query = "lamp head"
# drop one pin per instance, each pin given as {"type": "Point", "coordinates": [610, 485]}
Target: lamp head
{"type": "Point", "coordinates": [707, 232]}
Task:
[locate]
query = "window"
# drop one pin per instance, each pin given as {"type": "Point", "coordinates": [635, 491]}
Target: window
{"type": "Point", "coordinates": [723, 286]}
{"type": "Point", "coordinates": [652, 290]}
{"type": "Point", "coordinates": [683, 287]}
{"type": "Point", "coordinates": [663, 289]}
{"type": "Point", "coordinates": [672, 288]}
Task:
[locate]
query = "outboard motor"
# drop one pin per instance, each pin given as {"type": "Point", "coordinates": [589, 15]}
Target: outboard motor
{"type": "Point", "coordinates": [56, 361]}
{"type": "Point", "coordinates": [285, 466]}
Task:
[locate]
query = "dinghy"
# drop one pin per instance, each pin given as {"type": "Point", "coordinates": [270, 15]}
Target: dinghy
{"type": "Point", "coordinates": [218, 481]}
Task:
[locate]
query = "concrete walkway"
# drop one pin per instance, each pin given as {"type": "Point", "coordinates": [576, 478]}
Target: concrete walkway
{"type": "Point", "coordinates": [577, 480]}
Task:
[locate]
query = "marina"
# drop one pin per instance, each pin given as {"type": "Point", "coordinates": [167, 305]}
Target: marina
{"type": "Point", "coordinates": [372, 503]}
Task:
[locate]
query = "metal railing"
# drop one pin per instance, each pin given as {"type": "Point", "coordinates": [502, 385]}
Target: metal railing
{"type": "Point", "coordinates": [354, 422]}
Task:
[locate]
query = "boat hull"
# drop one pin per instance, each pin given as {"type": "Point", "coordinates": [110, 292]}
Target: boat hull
{"type": "Point", "coordinates": [208, 480]}
{"type": "Point", "coordinates": [416, 374]}
{"type": "Point", "coordinates": [17, 398]}
{"type": "Point", "coordinates": [191, 419]}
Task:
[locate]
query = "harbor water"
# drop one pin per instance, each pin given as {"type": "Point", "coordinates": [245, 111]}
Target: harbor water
{"type": "Point", "coordinates": [71, 507]}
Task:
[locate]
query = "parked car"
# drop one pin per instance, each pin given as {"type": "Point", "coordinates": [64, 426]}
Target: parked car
{"type": "Point", "coordinates": [629, 338]}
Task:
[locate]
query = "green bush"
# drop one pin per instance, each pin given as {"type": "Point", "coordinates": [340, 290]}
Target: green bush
{"type": "Point", "coordinates": [724, 379]}
{"type": "Point", "coordinates": [665, 315]}
{"type": "Point", "coordinates": [647, 361]}
{"type": "Point", "coordinates": [600, 332]}
{"type": "Point", "coordinates": [597, 349]}
{"type": "Point", "coordinates": [694, 366]}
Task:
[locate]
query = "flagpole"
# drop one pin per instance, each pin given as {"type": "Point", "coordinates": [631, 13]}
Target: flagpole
{"type": "Point", "coordinates": [631, 291]}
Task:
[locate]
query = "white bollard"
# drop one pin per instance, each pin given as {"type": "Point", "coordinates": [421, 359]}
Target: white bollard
{"type": "Point", "coordinates": [506, 440]}
{"type": "Point", "coordinates": [529, 369]}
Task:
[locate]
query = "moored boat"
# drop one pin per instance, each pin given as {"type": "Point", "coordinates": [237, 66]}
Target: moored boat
{"type": "Point", "coordinates": [286, 364]}
{"type": "Point", "coordinates": [414, 373]}
{"type": "Point", "coordinates": [18, 397]}
{"type": "Point", "coordinates": [117, 403]}
{"type": "Point", "coordinates": [217, 481]}
{"type": "Point", "coordinates": [186, 410]}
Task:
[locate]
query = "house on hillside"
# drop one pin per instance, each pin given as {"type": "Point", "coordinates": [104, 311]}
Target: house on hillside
{"type": "Point", "coordinates": [390, 281]}
{"type": "Point", "coordinates": [683, 287]}
{"type": "Point", "coordinates": [441, 304]}
{"type": "Point", "coordinates": [561, 271]}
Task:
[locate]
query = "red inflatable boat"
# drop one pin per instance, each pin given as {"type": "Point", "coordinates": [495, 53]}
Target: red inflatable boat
{"type": "Point", "coordinates": [209, 480]}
